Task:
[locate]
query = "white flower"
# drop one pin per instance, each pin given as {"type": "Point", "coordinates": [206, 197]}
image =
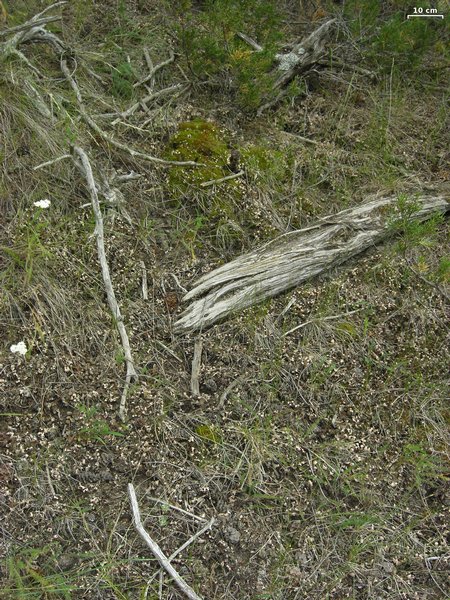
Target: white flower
{"type": "Point", "coordinates": [20, 348]}
{"type": "Point", "coordinates": [45, 203]}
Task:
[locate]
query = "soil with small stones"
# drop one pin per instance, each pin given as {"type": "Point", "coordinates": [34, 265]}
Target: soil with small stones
{"type": "Point", "coordinates": [322, 455]}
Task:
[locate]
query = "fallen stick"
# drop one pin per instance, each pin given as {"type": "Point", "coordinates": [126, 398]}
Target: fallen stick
{"type": "Point", "coordinates": [156, 69]}
{"type": "Point", "coordinates": [318, 319]}
{"type": "Point", "coordinates": [150, 97]}
{"type": "Point", "coordinates": [144, 280]}
{"type": "Point", "coordinates": [250, 41]}
{"type": "Point", "coordinates": [302, 56]}
{"type": "Point", "coordinates": [156, 550]}
{"type": "Point", "coordinates": [295, 257]}
{"type": "Point", "coordinates": [29, 30]}
{"type": "Point", "coordinates": [84, 165]}
{"type": "Point", "coordinates": [335, 62]}
{"type": "Point", "coordinates": [298, 60]}
{"type": "Point", "coordinates": [51, 162]}
{"type": "Point", "coordinates": [37, 33]}
{"type": "Point", "coordinates": [196, 363]}
{"type": "Point", "coordinates": [90, 121]}
{"type": "Point", "coordinates": [192, 539]}
{"type": "Point", "coordinates": [222, 179]}
{"type": "Point", "coordinates": [28, 25]}
{"type": "Point", "coordinates": [187, 543]}
{"type": "Point", "coordinates": [177, 508]}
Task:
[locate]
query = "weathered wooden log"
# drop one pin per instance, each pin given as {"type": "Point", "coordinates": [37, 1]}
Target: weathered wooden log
{"type": "Point", "coordinates": [295, 257]}
{"type": "Point", "coordinates": [302, 55]}
{"type": "Point", "coordinates": [300, 58]}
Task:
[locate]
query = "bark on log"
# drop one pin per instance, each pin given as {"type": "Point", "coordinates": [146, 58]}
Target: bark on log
{"type": "Point", "coordinates": [302, 55]}
{"type": "Point", "coordinates": [298, 60]}
{"type": "Point", "coordinates": [296, 257]}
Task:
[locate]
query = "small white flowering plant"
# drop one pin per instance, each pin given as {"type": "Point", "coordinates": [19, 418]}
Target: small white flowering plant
{"type": "Point", "coordinates": [19, 348]}
{"type": "Point", "coordinates": [31, 248]}
{"type": "Point", "coordinates": [45, 203]}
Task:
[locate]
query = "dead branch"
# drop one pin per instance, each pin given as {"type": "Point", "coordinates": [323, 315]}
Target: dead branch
{"type": "Point", "coordinates": [271, 103]}
{"type": "Point", "coordinates": [163, 560]}
{"type": "Point", "coordinates": [177, 508]}
{"type": "Point", "coordinates": [196, 363]}
{"type": "Point", "coordinates": [155, 69]}
{"type": "Point", "coordinates": [144, 280]}
{"type": "Point", "coordinates": [187, 543]}
{"type": "Point", "coordinates": [336, 62]}
{"type": "Point", "coordinates": [221, 180]}
{"type": "Point", "coordinates": [36, 33]}
{"type": "Point", "coordinates": [298, 60]}
{"type": "Point", "coordinates": [90, 121]}
{"type": "Point", "coordinates": [250, 41]}
{"type": "Point", "coordinates": [128, 177]}
{"type": "Point", "coordinates": [84, 165]}
{"type": "Point", "coordinates": [302, 56]}
{"type": "Point", "coordinates": [294, 258]}
{"type": "Point", "coordinates": [38, 101]}
{"type": "Point", "coordinates": [51, 162]}
{"type": "Point", "coordinates": [149, 98]}
{"type": "Point", "coordinates": [28, 25]}
{"type": "Point", "coordinates": [148, 59]}
{"type": "Point", "coordinates": [192, 539]}
{"type": "Point", "coordinates": [30, 30]}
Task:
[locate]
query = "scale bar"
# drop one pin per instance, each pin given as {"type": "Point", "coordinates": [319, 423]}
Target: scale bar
{"type": "Point", "coordinates": [431, 16]}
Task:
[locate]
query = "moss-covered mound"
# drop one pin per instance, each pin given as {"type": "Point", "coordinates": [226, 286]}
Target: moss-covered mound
{"type": "Point", "coordinates": [203, 142]}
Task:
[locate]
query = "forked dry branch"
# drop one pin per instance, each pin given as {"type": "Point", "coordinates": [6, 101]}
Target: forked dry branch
{"type": "Point", "coordinates": [163, 560]}
{"type": "Point", "coordinates": [83, 163]}
{"type": "Point", "coordinates": [34, 31]}
{"type": "Point", "coordinates": [295, 257]}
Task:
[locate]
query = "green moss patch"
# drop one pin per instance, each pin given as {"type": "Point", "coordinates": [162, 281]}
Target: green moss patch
{"type": "Point", "coordinates": [202, 142]}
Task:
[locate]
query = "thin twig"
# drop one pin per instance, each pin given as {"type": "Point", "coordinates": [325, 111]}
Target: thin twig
{"type": "Point", "coordinates": [51, 162]}
{"type": "Point", "coordinates": [230, 387]}
{"type": "Point", "coordinates": [148, 59]}
{"type": "Point", "coordinates": [271, 103]}
{"type": "Point", "coordinates": [250, 41]}
{"type": "Point", "coordinates": [128, 177]}
{"type": "Point", "coordinates": [216, 181]}
{"type": "Point", "coordinates": [131, 373]}
{"type": "Point", "coordinates": [156, 550]}
{"type": "Point", "coordinates": [167, 349]}
{"type": "Point", "coordinates": [330, 318]}
{"type": "Point", "coordinates": [156, 69]}
{"type": "Point", "coordinates": [24, 59]}
{"type": "Point", "coordinates": [432, 284]}
{"type": "Point", "coordinates": [28, 25]}
{"type": "Point", "coordinates": [300, 138]}
{"type": "Point", "coordinates": [178, 284]}
{"type": "Point", "coordinates": [335, 62]}
{"type": "Point", "coordinates": [177, 508]}
{"type": "Point", "coordinates": [47, 9]}
{"type": "Point", "coordinates": [90, 121]}
{"type": "Point", "coordinates": [144, 281]}
{"type": "Point", "coordinates": [196, 363]}
{"type": "Point", "coordinates": [49, 480]}
{"type": "Point", "coordinates": [150, 97]}
{"type": "Point", "coordinates": [192, 539]}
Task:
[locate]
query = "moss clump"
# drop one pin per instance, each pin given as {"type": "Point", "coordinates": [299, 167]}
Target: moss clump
{"type": "Point", "coordinates": [202, 142]}
{"type": "Point", "coordinates": [208, 433]}
{"type": "Point", "coordinates": [265, 163]}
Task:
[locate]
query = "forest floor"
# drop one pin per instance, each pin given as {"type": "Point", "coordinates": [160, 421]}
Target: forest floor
{"type": "Point", "coordinates": [322, 454]}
